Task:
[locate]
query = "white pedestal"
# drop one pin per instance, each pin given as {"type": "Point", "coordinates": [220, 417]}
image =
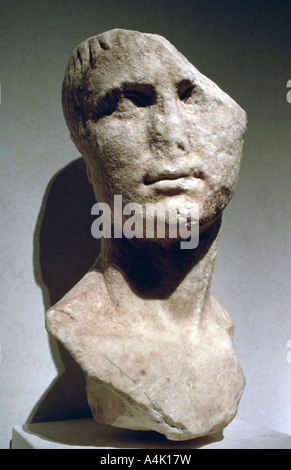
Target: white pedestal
{"type": "Point", "coordinates": [87, 434]}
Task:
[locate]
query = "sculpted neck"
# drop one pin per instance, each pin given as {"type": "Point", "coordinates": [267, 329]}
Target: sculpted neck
{"type": "Point", "coordinates": [160, 279]}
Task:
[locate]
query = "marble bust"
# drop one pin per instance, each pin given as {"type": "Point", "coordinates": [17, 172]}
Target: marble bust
{"type": "Point", "coordinates": [155, 347]}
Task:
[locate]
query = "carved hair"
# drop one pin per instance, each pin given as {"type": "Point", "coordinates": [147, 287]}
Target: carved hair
{"type": "Point", "coordinates": [83, 58]}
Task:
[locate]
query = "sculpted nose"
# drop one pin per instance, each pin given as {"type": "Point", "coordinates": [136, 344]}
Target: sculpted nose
{"type": "Point", "coordinates": [168, 134]}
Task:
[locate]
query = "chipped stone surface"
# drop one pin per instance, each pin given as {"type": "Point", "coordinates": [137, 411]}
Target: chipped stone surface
{"type": "Point", "coordinates": [155, 346]}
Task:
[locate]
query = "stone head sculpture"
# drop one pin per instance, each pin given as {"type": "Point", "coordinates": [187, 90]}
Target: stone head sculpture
{"type": "Point", "coordinates": [155, 346]}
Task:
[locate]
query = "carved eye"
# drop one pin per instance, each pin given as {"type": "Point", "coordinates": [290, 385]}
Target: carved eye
{"type": "Point", "coordinates": [106, 105]}
{"type": "Point", "coordinates": [186, 90]}
{"type": "Point", "coordinates": [139, 99]}
{"type": "Point", "coordinates": [187, 93]}
{"type": "Point", "coordinates": [124, 99]}
{"type": "Point", "coordinates": [141, 95]}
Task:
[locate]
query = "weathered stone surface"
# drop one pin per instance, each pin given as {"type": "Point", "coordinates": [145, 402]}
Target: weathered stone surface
{"type": "Point", "coordinates": [155, 346]}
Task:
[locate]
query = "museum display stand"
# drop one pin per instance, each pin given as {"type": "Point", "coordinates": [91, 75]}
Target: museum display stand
{"type": "Point", "coordinates": [87, 434]}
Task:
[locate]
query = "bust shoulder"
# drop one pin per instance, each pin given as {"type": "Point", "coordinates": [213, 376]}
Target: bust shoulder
{"type": "Point", "coordinates": [81, 306]}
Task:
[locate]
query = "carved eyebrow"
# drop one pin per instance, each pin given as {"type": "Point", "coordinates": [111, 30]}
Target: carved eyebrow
{"type": "Point", "coordinates": [145, 88]}
{"type": "Point", "coordinates": [139, 86]}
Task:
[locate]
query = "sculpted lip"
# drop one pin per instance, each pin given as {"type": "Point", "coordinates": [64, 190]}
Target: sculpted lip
{"type": "Point", "coordinates": [164, 177]}
{"type": "Point", "coordinates": [171, 176]}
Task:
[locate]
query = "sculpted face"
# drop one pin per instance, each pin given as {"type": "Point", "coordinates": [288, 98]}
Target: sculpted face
{"type": "Point", "coordinates": [154, 129]}
{"type": "Point", "coordinates": [155, 346]}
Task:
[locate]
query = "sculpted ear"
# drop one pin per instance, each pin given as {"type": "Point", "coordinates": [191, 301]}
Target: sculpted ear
{"type": "Point", "coordinates": [88, 173]}
{"type": "Point", "coordinates": [89, 176]}
{"type": "Point", "coordinates": [87, 168]}
{"type": "Point", "coordinates": [78, 147]}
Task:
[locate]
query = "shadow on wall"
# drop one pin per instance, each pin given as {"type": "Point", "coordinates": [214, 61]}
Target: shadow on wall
{"type": "Point", "coordinates": [64, 251]}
